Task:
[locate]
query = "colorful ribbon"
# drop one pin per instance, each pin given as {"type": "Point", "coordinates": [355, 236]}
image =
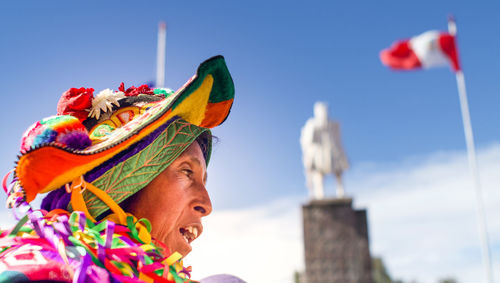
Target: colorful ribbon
{"type": "Point", "coordinates": [121, 249]}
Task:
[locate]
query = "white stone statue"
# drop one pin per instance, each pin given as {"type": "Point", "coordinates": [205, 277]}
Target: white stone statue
{"type": "Point", "coordinates": [322, 151]}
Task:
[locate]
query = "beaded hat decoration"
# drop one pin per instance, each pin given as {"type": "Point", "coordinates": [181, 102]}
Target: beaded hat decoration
{"type": "Point", "coordinates": [119, 141]}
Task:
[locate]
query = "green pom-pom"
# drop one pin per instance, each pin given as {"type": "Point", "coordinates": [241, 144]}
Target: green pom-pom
{"type": "Point", "coordinates": [165, 91]}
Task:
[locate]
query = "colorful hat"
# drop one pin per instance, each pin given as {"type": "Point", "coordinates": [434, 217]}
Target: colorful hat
{"type": "Point", "coordinates": [121, 140]}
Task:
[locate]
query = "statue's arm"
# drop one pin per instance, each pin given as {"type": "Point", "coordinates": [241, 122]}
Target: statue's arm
{"type": "Point", "coordinates": [306, 135]}
{"type": "Point", "coordinates": [306, 142]}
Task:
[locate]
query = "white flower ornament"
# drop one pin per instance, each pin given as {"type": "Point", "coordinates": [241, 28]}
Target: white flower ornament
{"type": "Point", "coordinates": [104, 101]}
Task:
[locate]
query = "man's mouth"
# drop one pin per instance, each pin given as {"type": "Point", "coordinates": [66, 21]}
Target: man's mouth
{"type": "Point", "coordinates": [190, 233]}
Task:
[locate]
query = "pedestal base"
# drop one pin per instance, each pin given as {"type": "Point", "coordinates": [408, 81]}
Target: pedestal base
{"type": "Point", "coordinates": [336, 242]}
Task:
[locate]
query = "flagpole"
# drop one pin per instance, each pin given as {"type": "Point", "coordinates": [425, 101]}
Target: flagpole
{"type": "Point", "coordinates": [471, 153]}
{"type": "Point", "coordinates": [160, 55]}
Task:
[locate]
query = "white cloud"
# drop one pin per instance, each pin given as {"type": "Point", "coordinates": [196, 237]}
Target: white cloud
{"type": "Point", "coordinates": [261, 244]}
{"type": "Point", "coordinates": [422, 221]}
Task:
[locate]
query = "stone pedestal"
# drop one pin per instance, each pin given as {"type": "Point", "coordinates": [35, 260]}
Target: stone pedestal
{"type": "Point", "coordinates": [336, 242]}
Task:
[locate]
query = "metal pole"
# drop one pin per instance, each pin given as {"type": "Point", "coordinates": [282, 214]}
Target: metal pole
{"type": "Point", "coordinates": [160, 54]}
{"type": "Point", "coordinates": [471, 153]}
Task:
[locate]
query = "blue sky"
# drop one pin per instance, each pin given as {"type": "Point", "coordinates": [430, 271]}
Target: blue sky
{"type": "Point", "coordinates": [284, 56]}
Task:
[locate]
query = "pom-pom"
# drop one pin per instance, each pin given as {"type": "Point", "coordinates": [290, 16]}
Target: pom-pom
{"type": "Point", "coordinates": [65, 130]}
{"type": "Point", "coordinates": [75, 139]}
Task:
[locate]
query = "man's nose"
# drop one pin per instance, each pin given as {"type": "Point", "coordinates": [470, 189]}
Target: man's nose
{"type": "Point", "coordinates": [203, 204]}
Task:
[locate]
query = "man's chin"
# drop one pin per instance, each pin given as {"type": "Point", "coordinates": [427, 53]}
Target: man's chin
{"type": "Point", "coordinates": [181, 247]}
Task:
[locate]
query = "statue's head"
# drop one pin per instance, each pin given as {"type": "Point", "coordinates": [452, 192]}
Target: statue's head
{"type": "Point", "coordinates": [321, 111]}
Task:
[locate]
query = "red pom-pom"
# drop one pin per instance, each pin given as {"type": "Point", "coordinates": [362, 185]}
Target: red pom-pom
{"type": "Point", "coordinates": [76, 102]}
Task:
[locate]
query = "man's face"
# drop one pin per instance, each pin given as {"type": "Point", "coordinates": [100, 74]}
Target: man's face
{"type": "Point", "coordinates": [176, 200]}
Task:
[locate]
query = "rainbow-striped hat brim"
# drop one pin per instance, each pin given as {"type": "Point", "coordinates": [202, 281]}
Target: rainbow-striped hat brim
{"type": "Point", "coordinates": [204, 101]}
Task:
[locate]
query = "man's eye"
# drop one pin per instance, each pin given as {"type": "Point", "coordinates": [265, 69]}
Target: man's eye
{"type": "Point", "coordinates": [188, 172]}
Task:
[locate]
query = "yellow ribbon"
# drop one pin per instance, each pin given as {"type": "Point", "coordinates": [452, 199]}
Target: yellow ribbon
{"type": "Point", "coordinates": [119, 216]}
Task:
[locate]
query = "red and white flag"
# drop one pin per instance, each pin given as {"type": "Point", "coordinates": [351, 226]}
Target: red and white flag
{"type": "Point", "coordinates": [427, 50]}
